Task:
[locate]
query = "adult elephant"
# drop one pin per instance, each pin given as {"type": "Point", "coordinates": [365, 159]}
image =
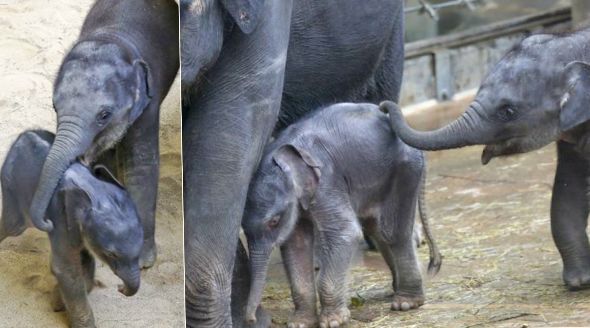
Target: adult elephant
{"type": "Point", "coordinates": [108, 92]}
{"type": "Point", "coordinates": [246, 65]}
{"type": "Point", "coordinates": [538, 93]}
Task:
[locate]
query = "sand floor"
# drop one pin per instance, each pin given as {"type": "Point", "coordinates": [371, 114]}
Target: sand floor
{"type": "Point", "coordinates": [35, 36]}
{"type": "Point", "coordinates": [500, 268]}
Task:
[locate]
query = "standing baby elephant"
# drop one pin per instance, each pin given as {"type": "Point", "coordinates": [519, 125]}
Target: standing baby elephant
{"type": "Point", "coordinates": [108, 93]}
{"type": "Point", "coordinates": [89, 214]}
{"type": "Point", "coordinates": [536, 94]}
{"type": "Point", "coordinates": [324, 173]}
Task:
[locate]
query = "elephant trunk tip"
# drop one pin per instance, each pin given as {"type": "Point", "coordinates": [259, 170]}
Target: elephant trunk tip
{"type": "Point", "coordinates": [251, 315]}
{"type": "Point", "coordinates": [127, 291]}
{"type": "Point", "coordinates": [486, 155]}
{"type": "Point", "coordinates": [38, 218]}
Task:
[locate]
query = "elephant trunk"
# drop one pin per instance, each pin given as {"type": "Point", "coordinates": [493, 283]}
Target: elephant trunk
{"type": "Point", "coordinates": [459, 133]}
{"type": "Point", "coordinates": [131, 280]}
{"type": "Point", "coordinates": [69, 144]}
{"type": "Point", "coordinates": [259, 260]}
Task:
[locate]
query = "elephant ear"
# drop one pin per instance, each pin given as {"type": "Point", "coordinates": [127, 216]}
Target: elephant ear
{"type": "Point", "coordinates": [302, 169]}
{"type": "Point", "coordinates": [575, 104]}
{"type": "Point", "coordinates": [143, 92]}
{"type": "Point", "coordinates": [103, 173]}
{"type": "Point", "coordinates": [246, 13]}
{"type": "Point", "coordinates": [77, 207]}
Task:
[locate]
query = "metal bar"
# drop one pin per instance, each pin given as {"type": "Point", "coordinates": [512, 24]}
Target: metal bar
{"type": "Point", "coordinates": [428, 7]}
{"type": "Point", "coordinates": [581, 12]}
{"type": "Point", "coordinates": [490, 31]}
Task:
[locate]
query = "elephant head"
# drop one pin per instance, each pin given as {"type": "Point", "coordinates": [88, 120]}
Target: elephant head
{"type": "Point", "coordinates": [533, 96]}
{"type": "Point", "coordinates": [107, 219]}
{"type": "Point", "coordinates": [99, 92]}
{"type": "Point", "coordinates": [285, 182]}
{"type": "Point", "coordinates": [203, 27]}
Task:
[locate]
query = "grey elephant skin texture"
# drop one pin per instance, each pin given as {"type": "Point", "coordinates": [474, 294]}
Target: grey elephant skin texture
{"type": "Point", "coordinates": [108, 93]}
{"type": "Point", "coordinates": [92, 216]}
{"type": "Point", "coordinates": [251, 67]}
{"type": "Point", "coordinates": [538, 93]}
{"type": "Point", "coordinates": [332, 174]}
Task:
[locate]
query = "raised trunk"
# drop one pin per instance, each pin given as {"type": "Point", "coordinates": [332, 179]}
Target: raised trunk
{"type": "Point", "coordinates": [459, 133]}
{"type": "Point", "coordinates": [131, 281]}
{"type": "Point", "coordinates": [66, 147]}
{"type": "Point", "coordinates": [259, 259]}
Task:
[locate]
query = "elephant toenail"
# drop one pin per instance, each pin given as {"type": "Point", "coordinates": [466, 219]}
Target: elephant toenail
{"type": "Point", "coordinates": [405, 306]}
{"type": "Point", "coordinates": [334, 324]}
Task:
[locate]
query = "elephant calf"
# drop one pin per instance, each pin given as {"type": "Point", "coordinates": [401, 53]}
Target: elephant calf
{"type": "Point", "coordinates": [536, 94]}
{"type": "Point", "coordinates": [90, 213]}
{"type": "Point", "coordinates": [327, 175]}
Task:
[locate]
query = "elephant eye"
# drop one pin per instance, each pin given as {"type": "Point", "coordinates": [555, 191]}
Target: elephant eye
{"type": "Point", "coordinates": [104, 115]}
{"type": "Point", "coordinates": [274, 221]}
{"type": "Point", "coordinates": [110, 254]}
{"type": "Point", "coordinates": [506, 114]}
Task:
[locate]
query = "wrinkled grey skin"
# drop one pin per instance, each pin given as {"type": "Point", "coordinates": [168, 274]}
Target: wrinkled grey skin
{"type": "Point", "coordinates": [537, 94]}
{"type": "Point", "coordinates": [91, 216]}
{"type": "Point", "coordinates": [250, 67]}
{"type": "Point", "coordinates": [333, 172]}
{"type": "Point", "coordinates": [108, 93]}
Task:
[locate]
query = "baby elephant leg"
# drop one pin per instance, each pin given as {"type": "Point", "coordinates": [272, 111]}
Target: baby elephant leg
{"type": "Point", "coordinates": [297, 253]}
{"type": "Point", "coordinates": [397, 240]}
{"type": "Point", "coordinates": [66, 265]}
{"type": "Point", "coordinates": [339, 235]}
{"type": "Point", "coordinates": [89, 268]}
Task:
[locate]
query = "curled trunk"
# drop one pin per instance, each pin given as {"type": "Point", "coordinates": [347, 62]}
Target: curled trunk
{"type": "Point", "coordinates": [459, 133]}
{"type": "Point", "coordinates": [66, 147]}
{"type": "Point", "coordinates": [259, 260]}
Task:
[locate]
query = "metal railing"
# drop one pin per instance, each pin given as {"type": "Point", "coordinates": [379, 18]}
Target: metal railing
{"type": "Point", "coordinates": [432, 9]}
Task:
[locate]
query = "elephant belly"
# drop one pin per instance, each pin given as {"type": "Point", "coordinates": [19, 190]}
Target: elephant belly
{"type": "Point", "coordinates": [335, 49]}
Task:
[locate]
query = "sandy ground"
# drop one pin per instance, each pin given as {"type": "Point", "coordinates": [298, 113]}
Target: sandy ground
{"type": "Point", "coordinates": [500, 267]}
{"type": "Point", "coordinates": [35, 36]}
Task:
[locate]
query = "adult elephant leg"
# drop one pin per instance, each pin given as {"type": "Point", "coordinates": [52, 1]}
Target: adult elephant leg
{"type": "Point", "coordinates": [569, 216]}
{"type": "Point", "coordinates": [138, 161]}
{"type": "Point", "coordinates": [389, 74]}
{"type": "Point", "coordinates": [224, 132]}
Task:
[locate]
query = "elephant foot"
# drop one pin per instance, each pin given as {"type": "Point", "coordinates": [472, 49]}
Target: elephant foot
{"type": "Point", "coordinates": [301, 319]}
{"type": "Point", "coordinates": [57, 303]}
{"type": "Point", "coordinates": [333, 318]}
{"type": "Point", "coordinates": [148, 256]}
{"type": "Point", "coordinates": [578, 278]}
{"type": "Point", "coordinates": [405, 302]}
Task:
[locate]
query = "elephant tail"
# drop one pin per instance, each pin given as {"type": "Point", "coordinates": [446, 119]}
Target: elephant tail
{"type": "Point", "coordinates": [435, 255]}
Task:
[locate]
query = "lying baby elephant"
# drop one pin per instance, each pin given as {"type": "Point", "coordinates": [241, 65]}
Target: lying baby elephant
{"type": "Point", "coordinates": [327, 175]}
{"type": "Point", "coordinates": [90, 215]}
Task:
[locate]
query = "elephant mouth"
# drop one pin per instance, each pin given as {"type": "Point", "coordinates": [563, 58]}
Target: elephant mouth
{"type": "Point", "coordinates": [508, 147]}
